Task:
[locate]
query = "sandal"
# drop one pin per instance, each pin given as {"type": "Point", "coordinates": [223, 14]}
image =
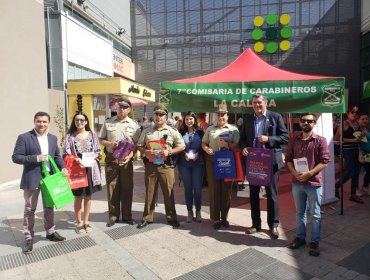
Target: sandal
{"type": "Point", "coordinates": [80, 230]}
{"type": "Point", "coordinates": [87, 228]}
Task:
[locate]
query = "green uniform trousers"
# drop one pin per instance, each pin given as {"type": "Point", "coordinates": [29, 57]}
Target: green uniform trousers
{"type": "Point", "coordinates": [165, 176]}
{"type": "Point", "coordinates": [120, 184]}
{"type": "Point", "coordinates": [219, 193]}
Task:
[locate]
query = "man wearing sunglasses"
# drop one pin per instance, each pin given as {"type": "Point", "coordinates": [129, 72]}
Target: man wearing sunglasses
{"type": "Point", "coordinates": [119, 173]}
{"type": "Point", "coordinates": [307, 156]}
{"type": "Point", "coordinates": [158, 144]}
{"type": "Point", "coordinates": [264, 128]}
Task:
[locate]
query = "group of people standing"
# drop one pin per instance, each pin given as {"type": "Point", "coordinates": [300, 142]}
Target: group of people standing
{"type": "Point", "coordinates": [355, 152]}
{"type": "Point", "coordinates": [189, 148]}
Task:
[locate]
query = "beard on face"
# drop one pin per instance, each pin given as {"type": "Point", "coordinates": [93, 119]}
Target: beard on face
{"type": "Point", "coordinates": [307, 128]}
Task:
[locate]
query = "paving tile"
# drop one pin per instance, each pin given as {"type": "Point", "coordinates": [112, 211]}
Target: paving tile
{"type": "Point", "coordinates": [20, 273]}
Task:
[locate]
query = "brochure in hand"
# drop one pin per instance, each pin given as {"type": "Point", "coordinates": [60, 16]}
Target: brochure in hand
{"type": "Point", "coordinates": [156, 145]}
{"type": "Point", "coordinates": [123, 149]}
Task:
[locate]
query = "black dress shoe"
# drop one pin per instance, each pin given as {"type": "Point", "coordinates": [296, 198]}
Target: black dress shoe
{"type": "Point", "coordinates": [174, 223]}
{"type": "Point", "coordinates": [111, 222]}
{"type": "Point", "coordinates": [252, 230]}
{"type": "Point", "coordinates": [225, 223]}
{"type": "Point", "coordinates": [274, 233]}
{"type": "Point", "coordinates": [55, 237]}
{"type": "Point", "coordinates": [216, 225]}
{"type": "Point", "coordinates": [27, 249]}
{"type": "Point", "coordinates": [143, 224]}
{"type": "Point", "coordinates": [129, 222]}
{"type": "Point", "coordinates": [297, 242]}
{"type": "Point", "coordinates": [314, 249]}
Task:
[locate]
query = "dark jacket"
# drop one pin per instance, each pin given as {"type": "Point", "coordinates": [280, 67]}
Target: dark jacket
{"type": "Point", "coordinates": [275, 130]}
{"type": "Point", "coordinates": [26, 150]}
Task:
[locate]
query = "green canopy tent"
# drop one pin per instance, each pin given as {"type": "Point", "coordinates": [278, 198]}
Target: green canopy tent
{"type": "Point", "coordinates": [248, 75]}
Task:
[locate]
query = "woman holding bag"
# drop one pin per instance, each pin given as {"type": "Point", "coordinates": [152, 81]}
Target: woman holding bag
{"type": "Point", "coordinates": [83, 144]}
{"type": "Point", "coordinates": [190, 164]}
{"type": "Point", "coordinates": [219, 136]}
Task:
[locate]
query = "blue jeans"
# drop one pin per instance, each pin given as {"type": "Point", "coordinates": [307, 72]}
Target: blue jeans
{"type": "Point", "coordinates": [307, 197]}
{"type": "Point", "coordinates": [193, 180]}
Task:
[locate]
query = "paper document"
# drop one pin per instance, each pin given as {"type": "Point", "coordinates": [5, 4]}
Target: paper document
{"type": "Point", "coordinates": [300, 164]}
{"type": "Point", "coordinates": [358, 134]}
{"type": "Point", "coordinates": [88, 159]}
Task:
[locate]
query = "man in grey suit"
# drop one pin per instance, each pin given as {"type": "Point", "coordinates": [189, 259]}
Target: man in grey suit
{"type": "Point", "coordinates": [264, 128]}
{"type": "Point", "coordinates": [32, 148]}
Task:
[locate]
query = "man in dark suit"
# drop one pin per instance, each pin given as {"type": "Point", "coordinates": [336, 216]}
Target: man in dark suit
{"type": "Point", "coordinates": [32, 148]}
{"type": "Point", "coordinates": [264, 128]}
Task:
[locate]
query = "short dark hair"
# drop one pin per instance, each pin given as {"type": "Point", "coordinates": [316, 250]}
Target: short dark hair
{"type": "Point", "coordinates": [73, 127]}
{"type": "Point", "coordinates": [41, 114]}
{"type": "Point", "coordinates": [260, 95]}
{"type": "Point", "coordinates": [309, 114]}
{"type": "Point", "coordinates": [362, 114]}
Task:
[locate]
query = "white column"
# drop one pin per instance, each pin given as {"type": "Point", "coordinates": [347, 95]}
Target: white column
{"type": "Point", "coordinates": [324, 128]}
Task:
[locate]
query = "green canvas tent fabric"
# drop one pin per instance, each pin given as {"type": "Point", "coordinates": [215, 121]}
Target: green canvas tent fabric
{"type": "Point", "coordinates": [248, 75]}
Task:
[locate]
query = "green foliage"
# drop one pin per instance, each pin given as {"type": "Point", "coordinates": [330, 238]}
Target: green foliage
{"type": "Point", "coordinates": [60, 124]}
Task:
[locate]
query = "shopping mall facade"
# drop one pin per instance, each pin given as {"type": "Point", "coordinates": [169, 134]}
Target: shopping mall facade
{"type": "Point", "coordinates": [162, 40]}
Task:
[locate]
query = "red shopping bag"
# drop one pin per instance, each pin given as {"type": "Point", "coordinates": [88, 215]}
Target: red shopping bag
{"type": "Point", "coordinates": [239, 168]}
{"type": "Point", "coordinates": [77, 177]}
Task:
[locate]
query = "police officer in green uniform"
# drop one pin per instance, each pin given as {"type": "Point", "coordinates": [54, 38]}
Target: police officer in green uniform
{"type": "Point", "coordinates": [219, 136]}
{"type": "Point", "coordinates": [119, 174]}
{"type": "Point", "coordinates": [159, 143]}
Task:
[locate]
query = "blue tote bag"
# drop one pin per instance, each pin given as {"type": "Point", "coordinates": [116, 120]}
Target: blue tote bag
{"type": "Point", "coordinates": [224, 164]}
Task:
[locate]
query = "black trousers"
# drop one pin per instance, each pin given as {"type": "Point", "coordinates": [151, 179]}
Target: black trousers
{"type": "Point", "coordinates": [272, 202]}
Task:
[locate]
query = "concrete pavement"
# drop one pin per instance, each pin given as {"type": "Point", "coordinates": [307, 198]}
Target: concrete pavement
{"type": "Point", "coordinates": [194, 251]}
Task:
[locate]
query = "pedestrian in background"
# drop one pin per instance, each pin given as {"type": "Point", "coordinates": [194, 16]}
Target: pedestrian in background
{"type": "Point", "coordinates": [350, 151]}
{"type": "Point", "coordinates": [81, 142]}
{"type": "Point", "coordinates": [306, 157]}
{"type": "Point", "coordinates": [31, 149]}
{"type": "Point", "coordinates": [363, 121]}
{"type": "Point", "coordinates": [190, 164]}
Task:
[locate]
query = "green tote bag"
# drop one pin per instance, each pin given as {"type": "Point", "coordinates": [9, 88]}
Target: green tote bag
{"type": "Point", "coordinates": [55, 188]}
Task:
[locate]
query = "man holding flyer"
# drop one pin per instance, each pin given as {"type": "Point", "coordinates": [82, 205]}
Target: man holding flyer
{"type": "Point", "coordinates": [266, 129]}
{"type": "Point", "coordinates": [158, 144]}
{"type": "Point", "coordinates": [307, 156]}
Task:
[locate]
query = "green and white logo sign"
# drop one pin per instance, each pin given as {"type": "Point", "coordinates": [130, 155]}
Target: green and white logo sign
{"type": "Point", "coordinates": [271, 33]}
{"type": "Point", "coordinates": [332, 95]}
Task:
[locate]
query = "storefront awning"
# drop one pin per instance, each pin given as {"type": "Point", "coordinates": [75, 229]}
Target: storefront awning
{"type": "Point", "coordinates": [114, 85]}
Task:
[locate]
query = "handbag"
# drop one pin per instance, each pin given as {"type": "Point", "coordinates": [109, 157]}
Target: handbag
{"type": "Point", "coordinates": [361, 156]}
{"type": "Point", "coordinates": [224, 164]}
{"type": "Point", "coordinates": [239, 168]}
{"type": "Point", "coordinates": [77, 177]}
{"type": "Point", "coordinates": [55, 188]}
{"type": "Point", "coordinates": [259, 167]}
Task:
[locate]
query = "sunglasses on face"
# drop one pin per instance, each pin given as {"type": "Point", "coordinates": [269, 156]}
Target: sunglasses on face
{"type": "Point", "coordinates": [159, 114]}
{"type": "Point", "coordinates": [307, 121]}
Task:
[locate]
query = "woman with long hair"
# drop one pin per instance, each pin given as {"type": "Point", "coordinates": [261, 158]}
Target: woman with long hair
{"type": "Point", "coordinates": [82, 142]}
{"type": "Point", "coordinates": [191, 165]}
{"type": "Point", "coordinates": [350, 153]}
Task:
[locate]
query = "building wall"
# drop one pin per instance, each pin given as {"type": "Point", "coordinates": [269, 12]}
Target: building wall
{"type": "Point", "coordinates": [23, 76]}
{"type": "Point", "coordinates": [181, 39]}
{"type": "Point", "coordinates": [365, 16]}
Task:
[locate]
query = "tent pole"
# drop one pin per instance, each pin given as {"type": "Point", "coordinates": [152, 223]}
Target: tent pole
{"type": "Point", "coordinates": [341, 163]}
